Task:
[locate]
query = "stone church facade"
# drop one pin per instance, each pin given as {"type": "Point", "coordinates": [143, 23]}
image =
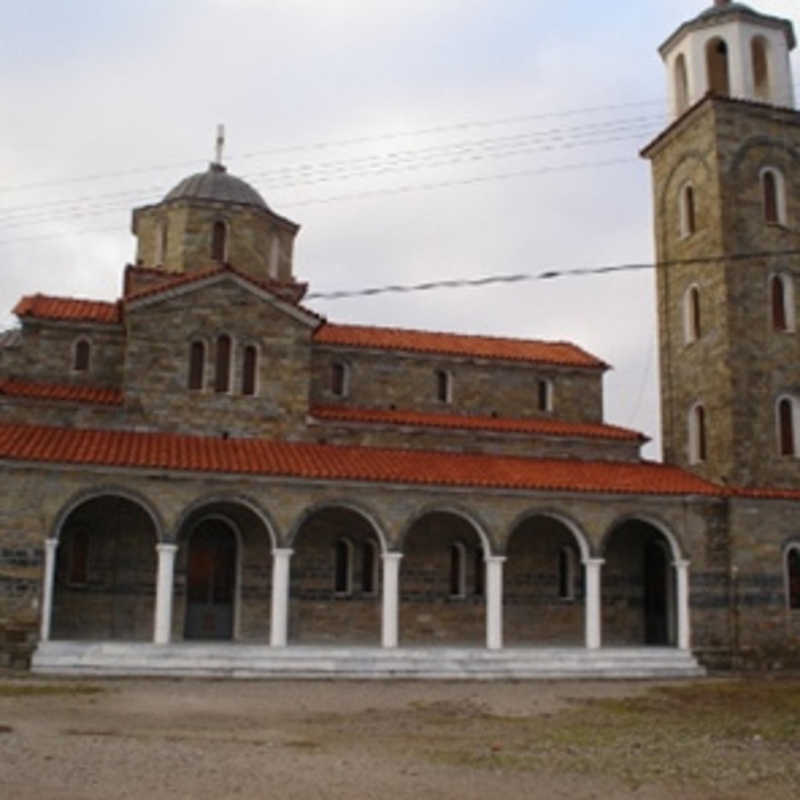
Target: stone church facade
{"type": "Point", "coordinates": [206, 460]}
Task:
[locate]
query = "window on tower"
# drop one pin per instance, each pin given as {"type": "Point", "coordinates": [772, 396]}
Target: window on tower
{"type": "Point", "coordinates": [219, 235]}
{"type": "Point", "coordinates": [773, 196]}
{"type": "Point", "coordinates": [686, 211]}
{"type": "Point", "coordinates": [717, 65]}
{"type": "Point", "coordinates": [697, 434]}
{"type": "Point", "coordinates": [692, 329]}
{"type": "Point", "coordinates": [759, 57]}
{"type": "Point", "coordinates": [781, 294]}
{"type": "Point", "coordinates": [787, 427]}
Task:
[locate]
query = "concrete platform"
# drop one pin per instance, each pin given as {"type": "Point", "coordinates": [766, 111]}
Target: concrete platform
{"type": "Point", "coordinates": [301, 661]}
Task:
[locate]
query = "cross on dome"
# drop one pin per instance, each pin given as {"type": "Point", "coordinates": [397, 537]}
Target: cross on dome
{"type": "Point", "coordinates": [220, 143]}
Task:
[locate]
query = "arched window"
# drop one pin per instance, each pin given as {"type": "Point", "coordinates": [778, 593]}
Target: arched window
{"type": "Point", "coordinates": [692, 329]}
{"type": "Point", "coordinates": [717, 66]}
{"type": "Point", "coordinates": [249, 369]}
{"type": "Point", "coordinates": [83, 349]}
{"type": "Point", "coordinates": [219, 236]}
{"type": "Point", "coordinates": [480, 570]}
{"type": "Point", "coordinates": [681, 85]}
{"type": "Point", "coordinates": [793, 576]}
{"type": "Point", "coordinates": [458, 570]}
{"type": "Point", "coordinates": [197, 364]}
{"type": "Point", "coordinates": [697, 434]}
{"type": "Point", "coordinates": [444, 386]}
{"type": "Point", "coordinates": [369, 567]}
{"type": "Point", "coordinates": [274, 258]}
{"type": "Point", "coordinates": [566, 573]}
{"type": "Point", "coordinates": [773, 196]}
{"type": "Point", "coordinates": [686, 210]}
{"type": "Point", "coordinates": [787, 426]}
{"type": "Point", "coordinates": [340, 379]}
{"type": "Point", "coordinates": [544, 395]}
{"type": "Point", "coordinates": [758, 54]}
{"type": "Point", "coordinates": [222, 378]}
{"type": "Point", "coordinates": [781, 299]}
{"type": "Point", "coordinates": [343, 566]}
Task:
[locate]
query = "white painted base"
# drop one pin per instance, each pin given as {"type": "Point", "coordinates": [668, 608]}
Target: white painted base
{"type": "Point", "coordinates": [301, 661]}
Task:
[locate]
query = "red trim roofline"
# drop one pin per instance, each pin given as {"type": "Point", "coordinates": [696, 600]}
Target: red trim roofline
{"type": "Point", "coordinates": [67, 393]}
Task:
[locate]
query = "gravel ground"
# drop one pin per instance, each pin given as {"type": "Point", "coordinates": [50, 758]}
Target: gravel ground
{"type": "Point", "coordinates": [218, 739]}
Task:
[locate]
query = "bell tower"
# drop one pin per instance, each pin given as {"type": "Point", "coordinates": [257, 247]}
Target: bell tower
{"type": "Point", "coordinates": [726, 193]}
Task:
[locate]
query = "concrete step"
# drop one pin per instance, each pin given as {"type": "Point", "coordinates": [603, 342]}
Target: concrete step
{"type": "Point", "coordinates": [261, 661]}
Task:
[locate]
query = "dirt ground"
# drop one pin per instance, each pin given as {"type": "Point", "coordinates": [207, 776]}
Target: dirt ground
{"type": "Point", "coordinates": [157, 739]}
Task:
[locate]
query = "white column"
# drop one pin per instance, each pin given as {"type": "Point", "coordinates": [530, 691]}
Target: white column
{"type": "Point", "coordinates": [391, 598]}
{"type": "Point", "coordinates": [494, 602]}
{"type": "Point", "coordinates": [279, 625]}
{"type": "Point", "coordinates": [593, 627]}
{"type": "Point", "coordinates": [682, 583]}
{"type": "Point", "coordinates": [162, 628]}
{"type": "Point", "coordinates": [50, 546]}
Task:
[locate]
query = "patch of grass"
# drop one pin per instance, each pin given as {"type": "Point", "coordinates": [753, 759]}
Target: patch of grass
{"type": "Point", "coordinates": [47, 689]}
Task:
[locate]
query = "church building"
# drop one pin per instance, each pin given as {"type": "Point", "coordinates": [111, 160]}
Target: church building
{"type": "Point", "coordinates": [207, 477]}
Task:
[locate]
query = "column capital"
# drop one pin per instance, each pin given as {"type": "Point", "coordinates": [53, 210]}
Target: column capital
{"type": "Point", "coordinates": [593, 562]}
{"type": "Point", "coordinates": [495, 559]}
{"type": "Point", "coordinates": [50, 544]}
{"type": "Point", "coordinates": [282, 552]}
{"type": "Point", "coordinates": [391, 555]}
{"type": "Point", "coordinates": [681, 563]}
{"type": "Point", "coordinates": [166, 547]}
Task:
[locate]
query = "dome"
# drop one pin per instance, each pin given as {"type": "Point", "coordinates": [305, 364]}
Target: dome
{"type": "Point", "coordinates": [217, 185]}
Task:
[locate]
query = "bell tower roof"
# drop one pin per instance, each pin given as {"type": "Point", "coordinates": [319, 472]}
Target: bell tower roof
{"type": "Point", "coordinates": [730, 50]}
{"type": "Point", "coordinates": [216, 184]}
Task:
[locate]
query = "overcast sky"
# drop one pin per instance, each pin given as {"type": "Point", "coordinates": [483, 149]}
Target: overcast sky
{"type": "Point", "coordinates": [413, 141]}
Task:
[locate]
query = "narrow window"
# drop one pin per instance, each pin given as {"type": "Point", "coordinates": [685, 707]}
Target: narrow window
{"type": "Point", "coordinates": [691, 315]}
{"type": "Point", "coordinates": [443, 386]}
{"type": "Point", "coordinates": [249, 366]}
{"type": "Point", "coordinates": [79, 556]}
{"type": "Point", "coordinates": [687, 211]}
{"type": "Point", "coordinates": [82, 353]}
{"type": "Point", "coordinates": [681, 85]}
{"type": "Point", "coordinates": [222, 378]}
{"type": "Point", "coordinates": [697, 434]}
{"type": "Point", "coordinates": [480, 569]}
{"type": "Point", "coordinates": [274, 258]}
{"type": "Point", "coordinates": [717, 65]}
{"type": "Point", "coordinates": [770, 191]}
{"type": "Point", "coordinates": [758, 51]}
{"type": "Point", "coordinates": [793, 577]}
{"type": "Point", "coordinates": [544, 394]}
{"type": "Point", "coordinates": [457, 570]}
{"type": "Point", "coordinates": [197, 363]}
{"type": "Point", "coordinates": [369, 566]}
{"type": "Point", "coordinates": [786, 427]}
{"type": "Point", "coordinates": [218, 240]}
{"type": "Point", "coordinates": [340, 375]}
{"type": "Point", "coordinates": [566, 573]}
{"type": "Point", "coordinates": [779, 316]}
{"type": "Point", "coordinates": [161, 244]}
{"type": "Point", "coordinates": [342, 569]}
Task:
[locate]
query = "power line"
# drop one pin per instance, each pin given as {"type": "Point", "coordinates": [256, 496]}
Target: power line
{"type": "Point", "coordinates": [547, 274]}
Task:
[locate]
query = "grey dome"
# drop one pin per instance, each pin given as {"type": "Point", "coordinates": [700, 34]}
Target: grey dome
{"type": "Point", "coordinates": [216, 184]}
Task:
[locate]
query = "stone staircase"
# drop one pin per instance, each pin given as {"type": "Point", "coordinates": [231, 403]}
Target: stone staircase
{"type": "Point", "coordinates": [358, 662]}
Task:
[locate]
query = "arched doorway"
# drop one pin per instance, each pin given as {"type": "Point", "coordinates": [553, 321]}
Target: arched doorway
{"type": "Point", "coordinates": [211, 580]}
{"type": "Point", "coordinates": [638, 586]}
{"type": "Point", "coordinates": [544, 592]}
{"type": "Point", "coordinates": [104, 587]}
{"type": "Point", "coordinates": [335, 584]}
{"type": "Point", "coordinates": [442, 574]}
{"type": "Point", "coordinates": [223, 573]}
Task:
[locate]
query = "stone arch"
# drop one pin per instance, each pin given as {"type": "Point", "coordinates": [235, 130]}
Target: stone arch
{"type": "Point", "coordinates": [231, 498]}
{"type": "Point", "coordinates": [470, 517]}
{"type": "Point", "coordinates": [676, 547]}
{"type": "Point", "coordinates": [356, 507]}
{"type": "Point", "coordinates": [680, 174]}
{"type": "Point", "coordinates": [740, 155]}
{"type": "Point", "coordinates": [582, 540]}
{"type": "Point", "coordinates": [105, 490]}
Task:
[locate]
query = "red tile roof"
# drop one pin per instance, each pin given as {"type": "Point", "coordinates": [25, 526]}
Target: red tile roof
{"type": "Point", "coordinates": [328, 462]}
{"type": "Point", "coordinates": [454, 344]}
{"type": "Point", "coordinates": [61, 392]}
{"type": "Point", "coordinates": [544, 427]}
{"type": "Point", "coordinates": [68, 309]}
{"type": "Point", "coordinates": [765, 493]}
{"type": "Point", "coordinates": [289, 292]}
